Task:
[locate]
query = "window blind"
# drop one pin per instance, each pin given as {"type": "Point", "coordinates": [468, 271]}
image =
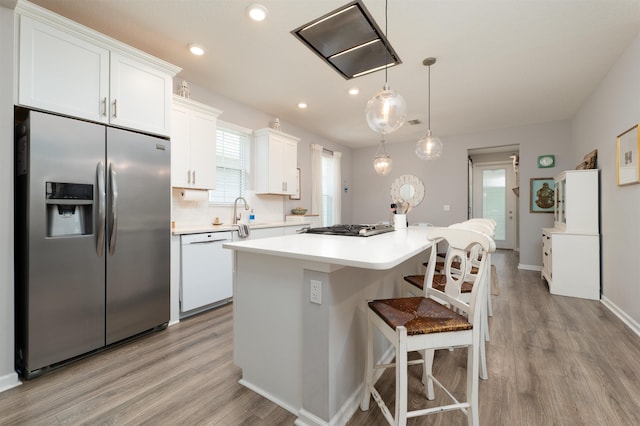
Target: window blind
{"type": "Point", "coordinates": [232, 163]}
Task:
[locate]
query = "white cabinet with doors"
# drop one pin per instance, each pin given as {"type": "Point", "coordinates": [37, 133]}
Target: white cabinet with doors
{"type": "Point", "coordinates": [571, 249]}
{"type": "Point", "coordinates": [193, 144]}
{"type": "Point", "coordinates": [276, 159]}
{"type": "Point", "coordinates": [66, 68]}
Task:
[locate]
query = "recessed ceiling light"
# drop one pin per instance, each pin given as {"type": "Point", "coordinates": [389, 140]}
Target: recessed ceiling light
{"type": "Point", "coordinates": [196, 49]}
{"type": "Point", "coordinates": [302, 105]}
{"type": "Point", "coordinates": [257, 12]}
{"type": "Point", "coordinates": [354, 91]}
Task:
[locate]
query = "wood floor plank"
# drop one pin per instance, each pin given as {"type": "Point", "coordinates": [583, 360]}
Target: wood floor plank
{"type": "Point", "coordinates": [552, 361]}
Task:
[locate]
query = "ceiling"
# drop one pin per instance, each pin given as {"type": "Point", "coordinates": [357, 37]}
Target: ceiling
{"type": "Point", "coordinates": [500, 63]}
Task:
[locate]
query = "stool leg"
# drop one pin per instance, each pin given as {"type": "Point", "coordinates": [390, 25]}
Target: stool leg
{"type": "Point", "coordinates": [368, 365]}
{"type": "Point", "coordinates": [484, 324]}
{"type": "Point", "coordinates": [401, 377]}
{"type": "Point", "coordinates": [427, 370]}
{"type": "Point", "coordinates": [473, 358]}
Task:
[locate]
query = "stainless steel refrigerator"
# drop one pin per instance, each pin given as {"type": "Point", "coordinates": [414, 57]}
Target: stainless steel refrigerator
{"type": "Point", "coordinates": [92, 237]}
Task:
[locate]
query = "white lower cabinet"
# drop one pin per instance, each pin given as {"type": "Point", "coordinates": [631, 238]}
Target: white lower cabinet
{"type": "Point", "coordinates": [255, 234]}
{"type": "Point", "coordinates": [571, 263]}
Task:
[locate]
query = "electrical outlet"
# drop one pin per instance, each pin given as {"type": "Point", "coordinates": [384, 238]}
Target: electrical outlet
{"type": "Point", "coordinates": [446, 207]}
{"type": "Point", "coordinates": [316, 292]}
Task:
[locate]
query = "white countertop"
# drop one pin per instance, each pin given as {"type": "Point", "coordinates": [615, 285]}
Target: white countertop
{"type": "Point", "coordinates": [196, 229]}
{"type": "Point", "coordinates": [383, 251]}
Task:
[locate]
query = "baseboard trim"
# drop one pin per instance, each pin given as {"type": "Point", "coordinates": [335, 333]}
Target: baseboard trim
{"type": "Point", "coordinates": [529, 267]}
{"type": "Point", "coordinates": [633, 324]}
{"type": "Point", "coordinates": [9, 381]}
{"type": "Point", "coordinates": [350, 406]}
{"type": "Point", "coordinates": [267, 395]}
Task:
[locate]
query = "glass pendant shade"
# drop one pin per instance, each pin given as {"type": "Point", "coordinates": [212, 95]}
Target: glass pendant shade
{"type": "Point", "coordinates": [383, 162]}
{"type": "Point", "coordinates": [429, 147]}
{"type": "Point", "coordinates": [386, 111]}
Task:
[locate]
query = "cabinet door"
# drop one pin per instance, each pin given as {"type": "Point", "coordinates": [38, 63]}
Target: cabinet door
{"type": "Point", "coordinates": [62, 73]}
{"type": "Point", "coordinates": [203, 150]}
{"type": "Point", "coordinates": [180, 147]}
{"type": "Point", "coordinates": [140, 95]}
{"type": "Point", "coordinates": [283, 160]}
{"type": "Point", "coordinates": [276, 165]}
{"type": "Point", "coordinates": [289, 168]}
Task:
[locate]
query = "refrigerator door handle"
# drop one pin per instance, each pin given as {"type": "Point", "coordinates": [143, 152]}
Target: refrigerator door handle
{"type": "Point", "coordinates": [113, 219]}
{"type": "Point", "coordinates": [102, 196]}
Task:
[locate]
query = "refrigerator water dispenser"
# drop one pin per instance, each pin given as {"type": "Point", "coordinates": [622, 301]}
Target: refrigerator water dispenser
{"type": "Point", "coordinates": [69, 209]}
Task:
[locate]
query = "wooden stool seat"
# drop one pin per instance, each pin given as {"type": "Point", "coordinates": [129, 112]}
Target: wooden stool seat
{"type": "Point", "coordinates": [439, 282]}
{"type": "Point", "coordinates": [419, 315]}
{"type": "Point", "coordinates": [456, 265]}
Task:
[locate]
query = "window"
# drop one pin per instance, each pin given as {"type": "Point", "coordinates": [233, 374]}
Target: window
{"type": "Point", "coordinates": [232, 163]}
{"type": "Point", "coordinates": [327, 188]}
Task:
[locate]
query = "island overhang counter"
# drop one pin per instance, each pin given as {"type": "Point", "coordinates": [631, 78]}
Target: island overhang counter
{"type": "Point", "coordinates": [304, 356]}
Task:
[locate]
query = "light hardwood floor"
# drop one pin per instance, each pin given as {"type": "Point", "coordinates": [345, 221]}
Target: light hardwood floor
{"type": "Point", "coordinates": [552, 361]}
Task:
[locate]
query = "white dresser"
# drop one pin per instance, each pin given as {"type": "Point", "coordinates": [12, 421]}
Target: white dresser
{"type": "Point", "coordinates": [571, 249]}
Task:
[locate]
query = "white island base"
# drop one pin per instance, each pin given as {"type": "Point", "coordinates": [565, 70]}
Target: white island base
{"type": "Point", "coordinates": [307, 357]}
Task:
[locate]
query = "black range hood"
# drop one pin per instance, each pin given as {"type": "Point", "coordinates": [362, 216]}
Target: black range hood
{"type": "Point", "coordinates": [349, 40]}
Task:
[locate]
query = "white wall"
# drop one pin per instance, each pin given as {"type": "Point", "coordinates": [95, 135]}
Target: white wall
{"type": "Point", "coordinates": [8, 378]}
{"type": "Point", "coordinates": [613, 108]}
{"type": "Point", "coordinates": [445, 179]}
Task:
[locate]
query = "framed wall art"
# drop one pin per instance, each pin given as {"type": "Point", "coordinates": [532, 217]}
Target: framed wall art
{"type": "Point", "coordinates": [542, 198]}
{"type": "Point", "coordinates": [627, 164]}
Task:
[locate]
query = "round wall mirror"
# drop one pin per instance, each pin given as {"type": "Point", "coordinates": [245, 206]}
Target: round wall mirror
{"type": "Point", "coordinates": [407, 188]}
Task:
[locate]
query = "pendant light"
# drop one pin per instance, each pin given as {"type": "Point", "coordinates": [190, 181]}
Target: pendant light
{"type": "Point", "coordinates": [429, 147]}
{"type": "Point", "coordinates": [387, 110]}
{"type": "Point", "coordinates": [382, 163]}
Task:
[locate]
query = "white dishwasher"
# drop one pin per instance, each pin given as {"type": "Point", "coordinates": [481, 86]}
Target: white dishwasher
{"type": "Point", "coordinates": [206, 271]}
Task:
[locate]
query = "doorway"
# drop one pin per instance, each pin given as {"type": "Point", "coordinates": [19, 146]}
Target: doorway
{"type": "Point", "coordinates": [492, 179]}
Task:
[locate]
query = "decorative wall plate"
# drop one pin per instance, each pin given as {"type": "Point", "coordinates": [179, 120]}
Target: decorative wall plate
{"type": "Point", "coordinates": [546, 161]}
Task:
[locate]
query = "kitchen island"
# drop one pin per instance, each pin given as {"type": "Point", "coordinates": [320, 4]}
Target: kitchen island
{"type": "Point", "coordinates": [305, 356]}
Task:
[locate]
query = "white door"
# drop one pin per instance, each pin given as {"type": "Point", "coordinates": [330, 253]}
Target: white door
{"type": "Point", "coordinates": [493, 198]}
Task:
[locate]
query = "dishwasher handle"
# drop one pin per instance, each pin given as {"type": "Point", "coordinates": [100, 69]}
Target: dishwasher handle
{"type": "Point", "coordinates": [209, 241]}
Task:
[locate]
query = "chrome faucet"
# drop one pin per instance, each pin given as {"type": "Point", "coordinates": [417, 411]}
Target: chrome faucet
{"type": "Point", "coordinates": [236, 217]}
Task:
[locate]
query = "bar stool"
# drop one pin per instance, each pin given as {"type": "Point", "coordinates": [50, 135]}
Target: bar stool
{"type": "Point", "coordinates": [424, 324]}
{"type": "Point", "coordinates": [414, 284]}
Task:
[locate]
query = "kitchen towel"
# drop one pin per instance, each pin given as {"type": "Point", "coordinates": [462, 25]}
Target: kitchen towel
{"type": "Point", "coordinates": [194, 194]}
{"type": "Point", "coordinates": [243, 230]}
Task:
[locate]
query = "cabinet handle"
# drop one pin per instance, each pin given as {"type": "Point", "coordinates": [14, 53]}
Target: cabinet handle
{"type": "Point", "coordinates": [104, 106]}
{"type": "Point", "coordinates": [189, 176]}
{"type": "Point", "coordinates": [115, 108]}
{"type": "Point", "coordinates": [194, 177]}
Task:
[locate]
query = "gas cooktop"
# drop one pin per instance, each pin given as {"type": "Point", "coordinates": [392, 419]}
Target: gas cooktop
{"type": "Point", "coordinates": [351, 230]}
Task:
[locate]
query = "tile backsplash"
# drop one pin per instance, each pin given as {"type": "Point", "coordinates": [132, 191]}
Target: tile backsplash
{"type": "Point", "coordinates": [266, 208]}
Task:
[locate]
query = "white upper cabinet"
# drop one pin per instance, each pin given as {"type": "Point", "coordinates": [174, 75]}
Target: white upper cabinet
{"type": "Point", "coordinates": [140, 95]}
{"type": "Point", "coordinates": [62, 73]}
{"type": "Point", "coordinates": [276, 161]}
{"type": "Point", "coordinates": [193, 144]}
{"type": "Point", "coordinates": [577, 201]}
{"type": "Point", "coordinates": [69, 69]}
